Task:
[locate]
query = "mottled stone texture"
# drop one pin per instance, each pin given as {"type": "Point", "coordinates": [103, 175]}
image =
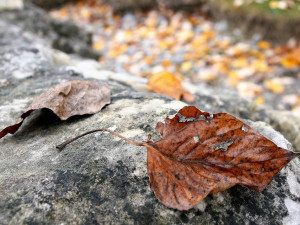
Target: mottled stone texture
{"type": "Point", "coordinates": [62, 35]}
{"type": "Point", "coordinates": [101, 179]}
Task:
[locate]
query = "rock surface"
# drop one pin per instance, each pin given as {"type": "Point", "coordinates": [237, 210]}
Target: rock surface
{"type": "Point", "coordinates": [101, 179]}
{"type": "Point", "coordinates": [62, 35]}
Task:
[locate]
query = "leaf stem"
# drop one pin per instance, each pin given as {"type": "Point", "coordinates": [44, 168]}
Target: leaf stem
{"type": "Point", "coordinates": [64, 144]}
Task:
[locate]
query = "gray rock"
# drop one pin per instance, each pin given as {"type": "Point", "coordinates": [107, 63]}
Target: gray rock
{"type": "Point", "coordinates": [62, 35]}
{"type": "Point", "coordinates": [100, 178]}
{"type": "Point", "coordinates": [288, 125]}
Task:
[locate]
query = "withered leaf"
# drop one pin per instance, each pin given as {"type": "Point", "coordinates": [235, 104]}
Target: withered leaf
{"type": "Point", "coordinates": [201, 153]}
{"type": "Point", "coordinates": [66, 100]}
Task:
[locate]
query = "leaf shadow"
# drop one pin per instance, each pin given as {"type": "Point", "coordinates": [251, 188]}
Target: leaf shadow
{"type": "Point", "coordinates": [43, 120]}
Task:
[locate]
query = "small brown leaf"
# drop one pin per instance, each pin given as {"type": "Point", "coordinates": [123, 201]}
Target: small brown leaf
{"type": "Point", "coordinates": [201, 153]}
{"type": "Point", "coordinates": [66, 100]}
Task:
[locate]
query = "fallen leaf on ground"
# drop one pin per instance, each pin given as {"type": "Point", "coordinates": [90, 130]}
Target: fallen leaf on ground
{"type": "Point", "coordinates": [275, 86]}
{"type": "Point", "coordinates": [66, 100]}
{"type": "Point", "coordinates": [167, 83]}
{"type": "Point", "coordinates": [202, 153]}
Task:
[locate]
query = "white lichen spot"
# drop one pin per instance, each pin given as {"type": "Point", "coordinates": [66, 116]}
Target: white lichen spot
{"type": "Point", "coordinates": [196, 139]}
{"type": "Point", "coordinates": [3, 82]}
{"type": "Point", "coordinates": [113, 128]}
{"type": "Point", "coordinates": [294, 212]}
{"type": "Point", "coordinates": [183, 119]}
{"type": "Point", "coordinates": [292, 177]}
{"type": "Point", "coordinates": [201, 206]}
{"type": "Point", "coordinates": [244, 128]}
{"type": "Point", "coordinates": [223, 146]}
{"type": "Point", "coordinates": [219, 197]}
{"type": "Point", "coordinates": [171, 116]}
{"type": "Point", "coordinates": [131, 133]}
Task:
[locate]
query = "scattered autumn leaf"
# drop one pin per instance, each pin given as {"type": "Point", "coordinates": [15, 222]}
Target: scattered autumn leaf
{"type": "Point", "coordinates": [167, 83]}
{"type": "Point", "coordinates": [98, 45]}
{"type": "Point", "coordinates": [289, 62]}
{"type": "Point", "coordinates": [194, 43]}
{"type": "Point", "coordinates": [66, 100]}
{"type": "Point", "coordinates": [202, 153]}
{"type": "Point", "coordinates": [264, 45]}
{"type": "Point", "coordinates": [260, 100]}
{"type": "Point", "coordinates": [275, 86]}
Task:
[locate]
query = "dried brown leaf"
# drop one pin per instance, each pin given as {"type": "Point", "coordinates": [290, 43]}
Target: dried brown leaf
{"type": "Point", "coordinates": [66, 100]}
{"type": "Point", "coordinates": [201, 153]}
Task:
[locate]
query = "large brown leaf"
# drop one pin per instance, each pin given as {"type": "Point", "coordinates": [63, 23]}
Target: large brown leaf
{"type": "Point", "coordinates": [201, 153]}
{"type": "Point", "coordinates": [66, 100]}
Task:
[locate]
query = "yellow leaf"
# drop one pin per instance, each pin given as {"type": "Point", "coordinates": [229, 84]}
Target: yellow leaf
{"type": "Point", "coordinates": [209, 34]}
{"type": "Point", "coordinates": [166, 63]}
{"type": "Point", "coordinates": [63, 12]}
{"type": "Point", "coordinates": [257, 54]}
{"type": "Point", "coordinates": [163, 45]}
{"type": "Point", "coordinates": [98, 45]}
{"type": "Point", "coordinates": [85, 13]}
{"type": "Point", "coordinates": [149, 59]}
{"type": "Point", "coordinates": [117, 50]}
{"type": "Point", "coordinates": [240, 62]}
{"type": "Point", "coordinates": [233, 78]}
{"type": "Point", "coordinates": [264, 45]}
{"type": "Point", "coordinates": [186, 66]}
{"type": "Point", "coordinates": [260, 100]}
{"type": "Point", "coordinates": [274, 4]}
{"type": "Point", "coordinates": [224, 44]}
{"type": "Point", "coordinates": [260, 66]}
{"type": "Point", "coordinates": [166, 83]}
{"type": "Point", "coordinates": [185, 35]}
{"type": "Point", "coordinates": [289, 62]}
{"type": "Point", "coordinates": [274, 86]}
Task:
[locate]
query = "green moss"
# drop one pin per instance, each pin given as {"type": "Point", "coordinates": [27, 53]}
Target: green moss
{"type": "Point", "coordinates": [262, 9]}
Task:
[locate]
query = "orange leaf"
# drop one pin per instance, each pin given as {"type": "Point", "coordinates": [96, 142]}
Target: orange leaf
{"type": "Point", "coordinates": [166, 83]}
{"type": "Point", "coordinates": [201, 153]}
{"type": "Point", "coordinates": [264, 45]}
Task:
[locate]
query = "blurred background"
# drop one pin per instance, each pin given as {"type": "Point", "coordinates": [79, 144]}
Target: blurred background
{"type": "Point", "coordinates": [250, 46]}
